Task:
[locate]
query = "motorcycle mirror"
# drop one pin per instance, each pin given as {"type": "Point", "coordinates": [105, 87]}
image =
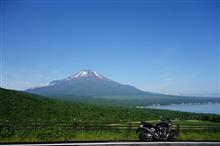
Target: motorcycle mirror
{"type": "Point", "coordinates": [168, 120]}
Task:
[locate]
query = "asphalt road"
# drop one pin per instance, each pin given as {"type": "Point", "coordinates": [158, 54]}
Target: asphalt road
{"type": "Point", "coordinates": [126, 144]}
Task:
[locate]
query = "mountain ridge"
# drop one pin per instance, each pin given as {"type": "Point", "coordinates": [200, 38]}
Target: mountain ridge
{"type": "Point", "coordinates": [92, 85]}
{"type": "Point", "coordinates": [86, 83]}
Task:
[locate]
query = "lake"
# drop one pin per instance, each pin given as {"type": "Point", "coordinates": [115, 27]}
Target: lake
{"type": "Point", "coordinates": [212, 108]}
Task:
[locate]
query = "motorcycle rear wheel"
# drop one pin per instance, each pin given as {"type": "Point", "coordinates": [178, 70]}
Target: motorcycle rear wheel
{"type": "Point", "coordinates": [172, 136]}
{"type": "Point", "coordinates": [145, 136]}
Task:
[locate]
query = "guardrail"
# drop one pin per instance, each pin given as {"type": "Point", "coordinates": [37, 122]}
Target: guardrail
{"type": "Point", "coordinates": [121, 131]}
{"type": "Point", "coordinates": [76, 126]}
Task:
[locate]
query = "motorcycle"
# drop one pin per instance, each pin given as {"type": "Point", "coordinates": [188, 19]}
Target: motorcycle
{"type": "Point", "coordinates": [160, 131]}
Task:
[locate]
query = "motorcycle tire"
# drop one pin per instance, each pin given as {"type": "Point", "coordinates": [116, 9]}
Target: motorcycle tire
{"type": "Point", "coordinates": [172, 136]}
{"type": "Point", "coordinates": [145, 136]}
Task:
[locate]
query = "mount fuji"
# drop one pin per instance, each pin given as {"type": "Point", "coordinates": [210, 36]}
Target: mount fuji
{"type": "Point", "coordinates": [85, 83]}
{"type": "Point", "coordinates": [90, 86]}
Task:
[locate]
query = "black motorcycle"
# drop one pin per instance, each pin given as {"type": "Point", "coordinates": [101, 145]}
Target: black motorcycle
{"type": "Point", "coordinates": [160, 131]}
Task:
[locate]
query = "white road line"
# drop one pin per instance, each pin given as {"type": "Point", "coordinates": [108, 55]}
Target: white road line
{"type": "Point", "coordinates": [124, 143]}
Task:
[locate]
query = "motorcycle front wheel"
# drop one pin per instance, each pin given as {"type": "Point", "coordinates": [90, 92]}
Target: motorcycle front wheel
{"type": "Point", "coordinates": [145, 136]}
{"type": "Point", "coordinates": [172, 136]}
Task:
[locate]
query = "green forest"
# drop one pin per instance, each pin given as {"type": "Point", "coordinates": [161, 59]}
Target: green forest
{"type": "Point", "coordinates": [22, 107]}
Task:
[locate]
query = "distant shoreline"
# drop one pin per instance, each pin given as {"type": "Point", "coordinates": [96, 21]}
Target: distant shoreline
{"type": "Point", "coordinates": [206, 108]}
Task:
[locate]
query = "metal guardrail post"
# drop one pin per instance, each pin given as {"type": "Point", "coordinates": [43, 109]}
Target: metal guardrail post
{"type": "Point", "coordinates": [129, 130]}
{"type": "Point", "coordinates": [178, 129]}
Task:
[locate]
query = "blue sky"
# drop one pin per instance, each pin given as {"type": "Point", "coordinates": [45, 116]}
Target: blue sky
{"type": "Point", "coordinates": [167, 47]}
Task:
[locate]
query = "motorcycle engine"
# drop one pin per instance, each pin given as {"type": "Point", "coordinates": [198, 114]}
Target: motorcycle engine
{"type": "Point", "coordinates": [162, 131]}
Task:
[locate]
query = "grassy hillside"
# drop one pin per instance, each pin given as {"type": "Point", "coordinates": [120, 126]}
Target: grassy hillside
{"type": "Point", "coordinates": [24, 108]}
{"type": "Point", "coordinates": [21, 106]}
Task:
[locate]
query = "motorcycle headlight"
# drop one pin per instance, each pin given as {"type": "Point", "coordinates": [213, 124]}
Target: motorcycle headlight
{"type": "Point", "coordinates": [141, 126]}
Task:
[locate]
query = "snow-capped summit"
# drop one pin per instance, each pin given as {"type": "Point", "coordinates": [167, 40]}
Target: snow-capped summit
{"type": "Point", "coordinates": [85, 74]}
{"type": "Point", "coordinates": [82, 75]}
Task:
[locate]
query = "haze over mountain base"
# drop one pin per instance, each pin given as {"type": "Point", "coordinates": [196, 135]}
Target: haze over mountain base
{"type": "Point", "coordinates": [91, 86]}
